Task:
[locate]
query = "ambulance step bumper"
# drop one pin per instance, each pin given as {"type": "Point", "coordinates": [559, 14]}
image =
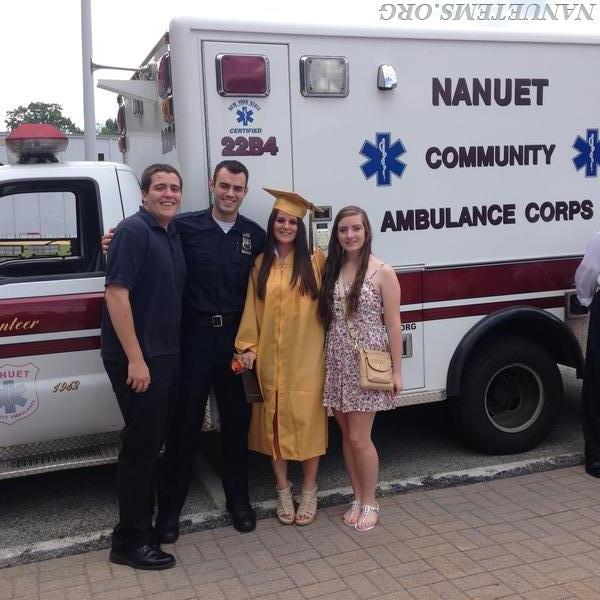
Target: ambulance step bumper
{"type": "Point", "coordinates": [58, 460]}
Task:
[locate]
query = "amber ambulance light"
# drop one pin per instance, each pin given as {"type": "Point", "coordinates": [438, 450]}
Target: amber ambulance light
{"type": "Point", "coordinates": [36, 142]}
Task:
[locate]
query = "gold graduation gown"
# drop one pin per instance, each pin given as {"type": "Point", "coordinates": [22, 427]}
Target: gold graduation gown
{"type": "Point", "coordinates": [288, 339]}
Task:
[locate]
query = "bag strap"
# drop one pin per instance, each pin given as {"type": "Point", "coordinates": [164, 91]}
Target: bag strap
{"type": "Point", "coordinates": [349, 324]}
{"type": "Point", "coordinates": [374, 272]}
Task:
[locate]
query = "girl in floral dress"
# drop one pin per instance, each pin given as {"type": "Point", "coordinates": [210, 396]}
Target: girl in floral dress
{"type": "Point", "coordinates": [372, 295]}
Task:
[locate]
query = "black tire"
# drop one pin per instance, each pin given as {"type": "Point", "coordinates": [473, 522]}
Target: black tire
{"type": "Point", "coordinates": [511, 395]}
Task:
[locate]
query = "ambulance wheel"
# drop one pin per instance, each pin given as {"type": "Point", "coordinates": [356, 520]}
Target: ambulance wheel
{"type": "Point", "coordinates": [511, 396]}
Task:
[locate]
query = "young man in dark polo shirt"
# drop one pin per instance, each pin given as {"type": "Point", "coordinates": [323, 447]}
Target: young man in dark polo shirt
{"type": "Point", "coordinates": [141, 325]}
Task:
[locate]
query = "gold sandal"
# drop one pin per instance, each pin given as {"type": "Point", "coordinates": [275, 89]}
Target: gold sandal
{"type": "Point", "coordinates": [352, 514]}
{"type": "Point", "coordinates": [307, 511]}
{"type": "Point", "coordinates": [364, 513]}
{"type": "Point", "coordinates": [286, 512]}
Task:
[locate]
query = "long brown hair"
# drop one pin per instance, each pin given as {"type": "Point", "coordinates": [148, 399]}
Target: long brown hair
{"type": "Point", "coordinates": [333, 266]}
{"type": "Point", "coordinates": [302, 271]}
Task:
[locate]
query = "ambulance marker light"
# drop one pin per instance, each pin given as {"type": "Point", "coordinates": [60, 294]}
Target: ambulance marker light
{"type": "Point", "coordinates": [242, 75]}
{"type": "Point", "coordinates": [323, 76]}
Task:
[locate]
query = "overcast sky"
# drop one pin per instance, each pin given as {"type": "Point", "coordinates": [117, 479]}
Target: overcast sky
{"type": "Point", "coordinates": [41, 40]}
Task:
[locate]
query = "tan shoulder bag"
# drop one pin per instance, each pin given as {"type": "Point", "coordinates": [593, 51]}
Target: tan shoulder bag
{"type": "Point", "coordinates": [374, 366]}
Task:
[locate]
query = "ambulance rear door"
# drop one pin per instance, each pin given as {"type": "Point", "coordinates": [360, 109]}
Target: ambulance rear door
{"type": "Point", "coordinates": [247, 99]}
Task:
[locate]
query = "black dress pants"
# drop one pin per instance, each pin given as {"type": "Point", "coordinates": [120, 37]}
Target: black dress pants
{"type": "Point", "coordinates": [146, 417]}
{"type": "Point", "coordinates": [205, 363]}
{"type": "Point", "coordinates": [591, 387]}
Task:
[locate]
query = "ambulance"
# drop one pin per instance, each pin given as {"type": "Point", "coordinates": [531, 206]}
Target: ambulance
{"type": "Point", "coordinates": [474, 153]}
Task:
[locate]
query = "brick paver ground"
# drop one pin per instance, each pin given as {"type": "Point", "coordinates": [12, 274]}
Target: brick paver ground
{"type": "Point", "coordinates": [533, 537]}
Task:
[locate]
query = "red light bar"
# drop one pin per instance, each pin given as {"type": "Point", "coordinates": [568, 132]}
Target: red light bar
{"type": "Point", "coordinates": [242, 75]}
{"type": "Point", "coordinates": [36, 139]}
{"type": "Point", "coordinates": [36, 131]}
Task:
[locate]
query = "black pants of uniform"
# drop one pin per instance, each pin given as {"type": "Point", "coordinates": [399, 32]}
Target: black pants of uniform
{"type": "Point", "coordinates": [206, 362]}
{"type": "Point", "coordinates": [146, 417]}
{"type": "Point", "coordinates": [591, 387]}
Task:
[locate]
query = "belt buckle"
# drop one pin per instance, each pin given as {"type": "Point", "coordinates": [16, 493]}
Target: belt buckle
{"type": "Point", "coordinates": [217, 320]}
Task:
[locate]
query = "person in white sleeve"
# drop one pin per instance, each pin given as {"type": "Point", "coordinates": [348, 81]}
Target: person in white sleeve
{"type": "Point", "coordinates": [587, 280]}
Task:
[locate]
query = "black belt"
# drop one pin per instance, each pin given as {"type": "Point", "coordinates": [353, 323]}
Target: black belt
{"type": "Point", "coordinates": [217, 320]}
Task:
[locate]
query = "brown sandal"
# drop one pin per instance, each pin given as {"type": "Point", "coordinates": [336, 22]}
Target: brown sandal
{"type": "Point", "coordinates": [286, 512]}
{"type": "Point", "coordinates": [307, 511]}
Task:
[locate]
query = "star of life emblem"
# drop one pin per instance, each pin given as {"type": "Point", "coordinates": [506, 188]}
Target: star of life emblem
{"type": "Point", "coordinates": [383, 158]}
{"type": "Point", "coordinates": [18, 395]}
{"type": "Point", "coordinates": [589, 153]}
{"type": "Point", "coordinates": [245, 116]}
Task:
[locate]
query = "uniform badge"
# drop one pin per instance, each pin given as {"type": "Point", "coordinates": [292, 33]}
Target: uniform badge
{"type": "Point", "coordinates": [246, 243]}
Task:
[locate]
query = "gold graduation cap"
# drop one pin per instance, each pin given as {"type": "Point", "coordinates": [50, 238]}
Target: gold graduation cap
{"type": "Point", "coordinates": [292, 203]}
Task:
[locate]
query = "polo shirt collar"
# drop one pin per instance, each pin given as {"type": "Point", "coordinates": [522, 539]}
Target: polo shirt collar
{"type": "Point", "coordinates": [151, 221]}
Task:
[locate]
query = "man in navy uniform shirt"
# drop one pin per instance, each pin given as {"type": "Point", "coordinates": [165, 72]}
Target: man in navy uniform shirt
{"type": "Point", "coordinates": [141, 325]}
{"type": "Point", "coordinates": [219, 246]}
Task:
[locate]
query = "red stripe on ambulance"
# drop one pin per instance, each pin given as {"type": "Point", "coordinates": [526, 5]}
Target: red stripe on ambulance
{"type": "Point", "coordinates": [480, 281]}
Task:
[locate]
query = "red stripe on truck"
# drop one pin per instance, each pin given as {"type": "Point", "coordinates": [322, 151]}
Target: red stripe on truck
{"type": "Point", "coordinates": [49, 347]}
{"type": "Point", "coordinates": [411, 316]}
{"type": "Point", "coordinates": [73, 312]}
{"type": "Point", "coordinates": [48, 314]}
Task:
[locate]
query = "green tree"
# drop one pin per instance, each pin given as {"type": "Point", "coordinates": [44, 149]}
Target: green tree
{"type": "Point", "coordinates": [109, 128]}
{"type": "Point", "coordinates": [41, 112]}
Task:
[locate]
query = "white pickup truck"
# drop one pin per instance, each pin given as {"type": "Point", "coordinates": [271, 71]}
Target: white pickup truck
{"type": "Point", "coordinates": [57, 409]}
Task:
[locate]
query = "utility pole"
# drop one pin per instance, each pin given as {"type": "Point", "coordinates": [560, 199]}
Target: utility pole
{"type": "Point", "coordinates": [89, 109]}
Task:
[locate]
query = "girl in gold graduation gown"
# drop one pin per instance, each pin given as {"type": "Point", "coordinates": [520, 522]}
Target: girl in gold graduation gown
{"type": "Point", "coordinates": [281, 331]}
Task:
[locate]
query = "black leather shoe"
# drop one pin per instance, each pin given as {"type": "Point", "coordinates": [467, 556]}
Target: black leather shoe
{"type": "Point", "coordinates": [243, 517]}
{"type": "Point", "coordinates": [167, 528]}
{"type": "Point", "coordinates": [593, 468]}
{"type": "Point", "coordinates": [147, 557]}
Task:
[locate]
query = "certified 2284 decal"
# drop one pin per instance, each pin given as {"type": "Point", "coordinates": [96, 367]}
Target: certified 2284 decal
{"type": "Point", "coordinates": [248, 146]}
